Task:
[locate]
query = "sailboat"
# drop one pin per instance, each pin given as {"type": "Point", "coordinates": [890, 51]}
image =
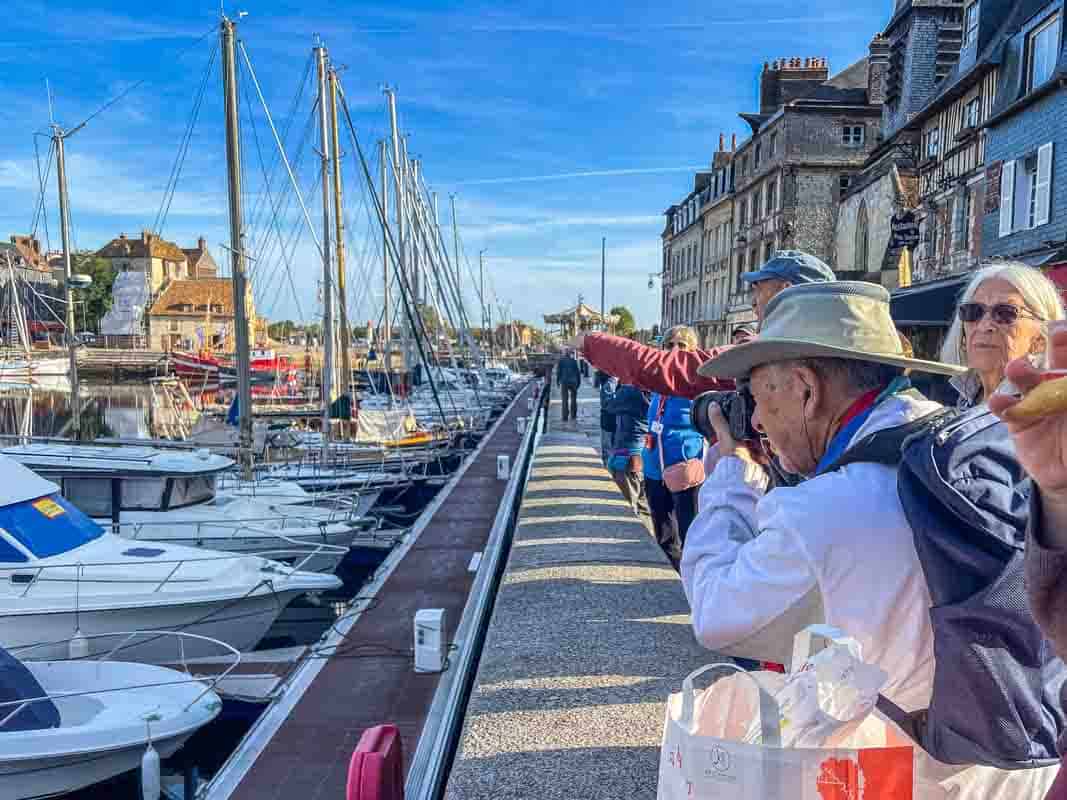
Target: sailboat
{"type": "Point", "coordinates": [25, 367]}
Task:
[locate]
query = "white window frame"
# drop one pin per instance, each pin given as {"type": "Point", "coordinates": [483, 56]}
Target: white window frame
{"type": "Point", "coordinates": [970, 23]}
{"type": "Point", "coordinates": [1032, 81]}
{"type": "Point", "coordinates": [972, 112]}
{"type": "Point", "coordinates": [853, 135]}
{"type": "Point", "coordinates": [1014, 214]}
{"type": "Point", "coordinates": [933, 142]}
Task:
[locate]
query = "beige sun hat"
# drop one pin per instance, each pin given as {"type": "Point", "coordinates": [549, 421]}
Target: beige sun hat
{"type": "Point", "coordinates": [828, 319]}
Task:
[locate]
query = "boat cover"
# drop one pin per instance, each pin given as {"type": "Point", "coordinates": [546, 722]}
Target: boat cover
{"type": "Point", "coordinates": [46, 526]}
{"type": "Point", "coordinates": [18, 683]}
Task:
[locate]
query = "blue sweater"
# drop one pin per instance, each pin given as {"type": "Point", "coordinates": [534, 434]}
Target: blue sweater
{"type": "Point", "coordinates": [681, 441]}
{"type": "Point", "coordinates": [630, 408]}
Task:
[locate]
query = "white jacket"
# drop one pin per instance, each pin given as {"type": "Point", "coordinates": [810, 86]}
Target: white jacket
{"type": "Point", "coordinates": [759, 566]}
{"type": "Point", "coordinates": [836, 548]}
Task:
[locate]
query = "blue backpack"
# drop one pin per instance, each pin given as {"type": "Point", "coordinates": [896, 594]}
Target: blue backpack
{"type": "Point", "coordinates": [996, 693]}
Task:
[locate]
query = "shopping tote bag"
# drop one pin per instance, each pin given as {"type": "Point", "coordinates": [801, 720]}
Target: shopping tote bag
{"type": "Point", "coordinates": [710, 759]}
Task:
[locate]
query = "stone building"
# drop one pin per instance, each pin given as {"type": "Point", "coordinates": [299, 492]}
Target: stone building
{"type": "Point", "coordinates": [199, 262]}
{"type": "Point", "coordinates": [196, 314]}
{"type": "Point", "coordinates": [812, 132]}
{"type": "Point", "coordinates": [683, 254]}
{"type": "Point", "coordinates": [156, 258]}
{"type": "Point", "coordinates": [1026, 152]}
{"type": "Point", "coordinates": [718, 231]}
{"type": "Point", "coordinates": [37, 291]}
{"type": "Point", "coordinates": [929, 130]}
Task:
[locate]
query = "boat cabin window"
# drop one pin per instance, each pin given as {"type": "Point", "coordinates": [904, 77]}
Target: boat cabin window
{"type": "Point", "coordinates": [91, 495]}
{"type": "Point", "coordinates": [47, 526]}
{"type": "Point", "coordinates": [142, 494]}
{"type": "Point", "coordinates": [186, 491]}
{"type": "Point", "coordinates": [9, 554]}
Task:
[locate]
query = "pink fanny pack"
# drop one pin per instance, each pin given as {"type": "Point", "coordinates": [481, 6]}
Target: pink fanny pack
{"type": "Point", "coordinates": [683, 475]}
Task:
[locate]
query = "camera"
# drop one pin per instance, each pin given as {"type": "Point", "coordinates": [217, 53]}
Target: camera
{"type": "Point", "coordinates": [736, 407]}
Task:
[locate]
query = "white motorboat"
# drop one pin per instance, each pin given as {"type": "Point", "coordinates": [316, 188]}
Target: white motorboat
{"type": "Point", "coordinates": [171, 496]}
{"type": "Point", "coordinates": [62, 575]}
{"type": "Point", "coordinates": [66, 725]}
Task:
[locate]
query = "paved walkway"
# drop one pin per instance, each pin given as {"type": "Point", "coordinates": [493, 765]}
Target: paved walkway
{"type": "Point", "coordinates": [590, 633]}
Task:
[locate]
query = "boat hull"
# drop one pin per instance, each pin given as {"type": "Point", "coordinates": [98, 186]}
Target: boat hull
{"type": "Point", "coordinates": [40, 778]}
{"type": "Point", "coordinates": [239, 622]}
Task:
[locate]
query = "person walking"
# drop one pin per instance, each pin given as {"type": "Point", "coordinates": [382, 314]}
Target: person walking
{"type": "Point", "coordinates": [568, 376]}
{"type": "Point", "coordinates": [630, 407]}
{"type": "Point", "coordinates": [607, 386]}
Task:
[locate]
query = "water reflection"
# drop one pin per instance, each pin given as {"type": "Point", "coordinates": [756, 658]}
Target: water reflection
{"type": "Point", "coordinates": [115, 410]}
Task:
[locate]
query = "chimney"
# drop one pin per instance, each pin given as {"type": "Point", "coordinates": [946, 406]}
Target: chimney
{"type": "Point", "coordinates": [722, 142]}
{"type": "Point", "coordinates": [146, 237]}
{"type": "Point", "coordinates": [733, 142]}
{"type": "Point", "coordinates": [786, 79]}
{"type": "Point", "coordinates": [122, 236]}
{"type": "Point", "coordinates": [201, 244]}
{"type": "Point", "coordinates": [877, 69]}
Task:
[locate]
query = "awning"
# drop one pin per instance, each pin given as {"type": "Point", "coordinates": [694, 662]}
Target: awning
{"type": "Point", "coordinates": [1045, 258]}
{"type": "Point", "coordinates": [929, 304]}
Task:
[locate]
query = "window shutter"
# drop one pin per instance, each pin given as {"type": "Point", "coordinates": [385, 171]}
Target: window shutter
{"type": "Point", "coordinates": [1043, 195]}
{"type": "Point", "coordinates": [1007, 196]}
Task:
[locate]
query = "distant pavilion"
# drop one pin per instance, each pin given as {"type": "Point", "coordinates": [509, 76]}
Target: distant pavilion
{"type": "Point", "coordinates": [580, 318]}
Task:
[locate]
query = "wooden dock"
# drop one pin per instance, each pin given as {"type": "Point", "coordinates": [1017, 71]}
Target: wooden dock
{"type": "Point", "coordinates": [362, 674]}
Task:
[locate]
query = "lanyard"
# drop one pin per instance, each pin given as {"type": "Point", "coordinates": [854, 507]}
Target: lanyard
{"type": "Point", "coordinates": [857, 414]}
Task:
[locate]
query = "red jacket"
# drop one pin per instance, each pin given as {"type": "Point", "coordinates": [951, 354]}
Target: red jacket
{"type": "Point", "coordinates": [667, 372]}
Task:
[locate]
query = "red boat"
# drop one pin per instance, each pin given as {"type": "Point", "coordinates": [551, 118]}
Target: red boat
{"type": "Point", "coordinates": [206, 366]}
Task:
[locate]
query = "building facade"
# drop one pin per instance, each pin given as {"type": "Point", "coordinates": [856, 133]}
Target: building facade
{"type": "Point", "coordinates": [156, 258]}
{"type": "Point", "coordinates": [718, 228]}
{"type": "Point", "coordinates": [1026, 151]}
{"type": "Point", "coordinates": [812, 132]}
{"type": "Point", "coordinates": [195, 315]}
{"type": "Point", "coordinates": [684, 254]}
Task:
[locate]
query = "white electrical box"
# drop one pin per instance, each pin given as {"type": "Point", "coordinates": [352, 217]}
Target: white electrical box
{"type": "Point", "coordinates": [430, 640]}
{"type": "Point", "coordinates": [503, 467]}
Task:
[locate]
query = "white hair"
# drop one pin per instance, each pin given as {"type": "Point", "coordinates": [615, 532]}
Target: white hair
{"type": "Point", "coordinates": [1039, 293]}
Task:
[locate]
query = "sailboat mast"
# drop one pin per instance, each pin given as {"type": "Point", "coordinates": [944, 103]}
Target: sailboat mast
{"type": "Point", "coordinates": [237, 248]}
{"type": "Point", "coordinates": [327, 273]}
{"type": "Point", "coordinates": [345, 386]}
{"type": "Point", "coordinates": [387, 326]}
{"type": "Point", "coordinates": [68, 290]}
{"type": "Point", "coordinates": [398, 180]}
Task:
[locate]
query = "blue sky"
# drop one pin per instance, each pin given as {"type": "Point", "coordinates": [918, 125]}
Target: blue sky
{"type": "Point", "coordinates": [553, 126]}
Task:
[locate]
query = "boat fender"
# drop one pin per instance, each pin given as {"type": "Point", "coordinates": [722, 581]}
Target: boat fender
{"type": "Point", "coordinates": [150, 774]}
{"type": "Point", "coordinates": [78, 646]}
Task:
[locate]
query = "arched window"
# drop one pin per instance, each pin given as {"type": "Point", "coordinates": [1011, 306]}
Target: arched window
{"type": "Point", "coordinates": [862, 238]}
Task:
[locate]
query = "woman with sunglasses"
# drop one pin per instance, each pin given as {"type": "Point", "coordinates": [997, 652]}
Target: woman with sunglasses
{"type": "Point", "coordinates": [1002, 315]}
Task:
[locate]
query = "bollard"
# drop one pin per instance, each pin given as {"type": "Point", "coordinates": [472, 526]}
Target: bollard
{"type": "Point", "coordinates": [529, 404]}
{"type": "Point", "coordinates": [521, 425]}
{"type": "Point", "coordinates": [503, 467]}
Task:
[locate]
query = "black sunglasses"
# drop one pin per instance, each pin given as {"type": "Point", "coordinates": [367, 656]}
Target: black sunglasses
{"type": "Point", "coordinates": [1001, 313]}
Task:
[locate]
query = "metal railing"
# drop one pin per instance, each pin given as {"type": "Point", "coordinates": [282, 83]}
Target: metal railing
{"type": "Point", "coordinates": [209, 683]}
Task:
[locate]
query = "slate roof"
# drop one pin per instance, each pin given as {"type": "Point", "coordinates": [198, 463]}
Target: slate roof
{"type": "Point", "coordinates": [193, 297]}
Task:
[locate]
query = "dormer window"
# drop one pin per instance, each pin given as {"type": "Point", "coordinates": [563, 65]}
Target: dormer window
{"type": "Point", "coordinates": [972, 113]}
{"type": "Point", "coordinates": [1042, 49]}
{"type": "Point", "coordinates": [970, 24]}
{"type": "Point", "coordinates": [852, 135]}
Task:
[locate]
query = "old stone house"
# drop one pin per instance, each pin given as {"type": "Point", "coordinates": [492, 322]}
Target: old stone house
{"type": "Point", "coordinates": [154, 257]}
{"type": "Point", "coordinates": [197, 314]}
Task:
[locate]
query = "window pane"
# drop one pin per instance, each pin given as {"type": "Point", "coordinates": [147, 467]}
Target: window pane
{"type": "Point", "coordinates": [91, 495]}
{"type": "Point", "coordinates": [1044, 49]}
{"type": "Point", "coordinates": [142, 494]}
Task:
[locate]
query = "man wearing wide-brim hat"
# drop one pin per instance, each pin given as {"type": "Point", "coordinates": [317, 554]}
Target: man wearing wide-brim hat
{"type": "Point", "coordinates": [759, 565]}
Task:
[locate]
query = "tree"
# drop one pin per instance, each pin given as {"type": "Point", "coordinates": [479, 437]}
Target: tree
{"type": "Point", "coordinates": [626, 324]}
{"type": "Point", "coordinates": [92, 303]}
{"type": "Point", "coordinates": [281, 331]}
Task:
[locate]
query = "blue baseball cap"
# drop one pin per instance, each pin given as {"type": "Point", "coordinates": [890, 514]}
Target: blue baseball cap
{"type": "Point", "coordinates": [792, 266]}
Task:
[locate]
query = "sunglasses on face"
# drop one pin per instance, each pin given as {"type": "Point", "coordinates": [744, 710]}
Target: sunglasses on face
{"type": "Point", "coordinates": [1001, 313]}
